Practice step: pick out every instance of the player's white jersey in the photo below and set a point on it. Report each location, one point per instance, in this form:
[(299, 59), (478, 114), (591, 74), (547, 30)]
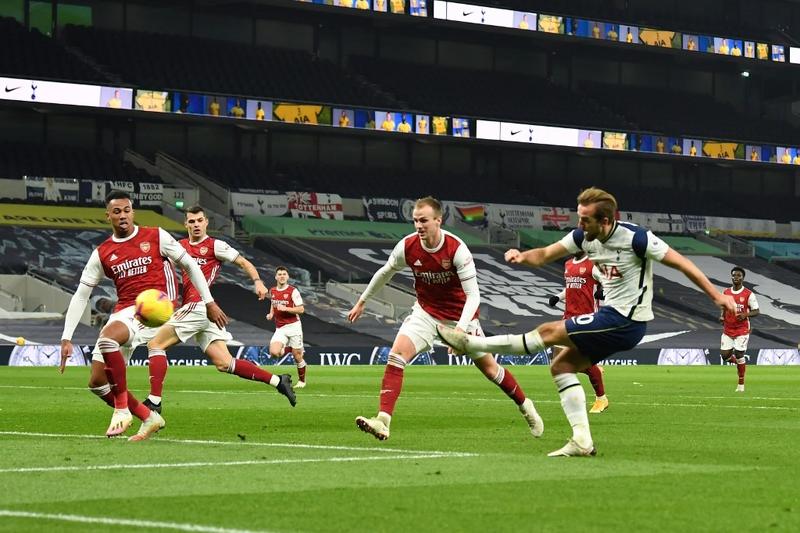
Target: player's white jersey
[(625, 260)]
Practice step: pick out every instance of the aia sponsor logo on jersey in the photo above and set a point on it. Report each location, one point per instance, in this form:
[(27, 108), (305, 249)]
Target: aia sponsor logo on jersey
[(145, 247)]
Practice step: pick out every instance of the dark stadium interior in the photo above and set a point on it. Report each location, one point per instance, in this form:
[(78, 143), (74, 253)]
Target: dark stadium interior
[(280, 49)]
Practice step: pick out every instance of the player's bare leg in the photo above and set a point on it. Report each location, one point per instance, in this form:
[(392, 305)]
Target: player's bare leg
[(165, 338), (297, 354), (504, 379), (563, 368), (217, 352), (401, 353)]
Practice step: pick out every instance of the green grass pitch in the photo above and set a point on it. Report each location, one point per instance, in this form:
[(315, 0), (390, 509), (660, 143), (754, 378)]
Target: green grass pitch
[(678, 450)]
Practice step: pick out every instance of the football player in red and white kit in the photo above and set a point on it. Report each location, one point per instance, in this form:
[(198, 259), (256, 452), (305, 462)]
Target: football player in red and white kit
[(736, 326), (135, 258), (581, 296), (447, 293), (191, 321), (286, 306)]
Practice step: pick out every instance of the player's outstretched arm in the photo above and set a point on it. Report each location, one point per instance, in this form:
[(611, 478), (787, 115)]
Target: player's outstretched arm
[(536, 257), (679, 262), (258, 286), (90, 277), (394, 264)]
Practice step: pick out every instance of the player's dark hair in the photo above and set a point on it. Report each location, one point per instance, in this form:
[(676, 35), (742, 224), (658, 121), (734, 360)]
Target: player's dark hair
[(281, 267), (117, 194), (435, 204), (606, 203), (197, 208), (738, 269)]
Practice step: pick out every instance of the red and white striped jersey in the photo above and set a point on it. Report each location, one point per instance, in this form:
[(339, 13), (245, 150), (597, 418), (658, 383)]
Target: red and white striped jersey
[(209, 254)]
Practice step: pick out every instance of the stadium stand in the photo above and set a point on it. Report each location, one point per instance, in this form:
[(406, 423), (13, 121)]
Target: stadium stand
[(177, 62), (28, 53), (27, 159), (670, 110), (513, 96)]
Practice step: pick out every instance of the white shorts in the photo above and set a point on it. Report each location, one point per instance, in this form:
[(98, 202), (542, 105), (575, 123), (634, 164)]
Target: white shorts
[(138, 334), (290, 335), (738, 344), (420, 327), (191, 321)]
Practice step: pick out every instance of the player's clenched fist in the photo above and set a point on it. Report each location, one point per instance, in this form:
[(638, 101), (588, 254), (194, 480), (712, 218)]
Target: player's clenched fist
[(513, 256)]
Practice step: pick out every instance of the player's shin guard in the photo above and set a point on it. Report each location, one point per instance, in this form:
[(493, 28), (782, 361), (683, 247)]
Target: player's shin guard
[(301, 371), (104, 393), (596, 379), (573, 401), (158, 372), (525, 344), (391, 385), (248, 370), (741, 368), (115, 363), (506, 381)]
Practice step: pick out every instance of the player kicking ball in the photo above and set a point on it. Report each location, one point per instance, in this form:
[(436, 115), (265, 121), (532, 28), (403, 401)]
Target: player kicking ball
[(135, 258), (624, 254), (190, 321)]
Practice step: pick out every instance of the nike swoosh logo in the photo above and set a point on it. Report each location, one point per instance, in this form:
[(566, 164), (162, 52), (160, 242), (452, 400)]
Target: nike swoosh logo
[(467, 13), (515, 132), (13, 89)]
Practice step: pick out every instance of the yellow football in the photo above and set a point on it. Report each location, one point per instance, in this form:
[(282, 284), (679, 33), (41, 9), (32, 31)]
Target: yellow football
[(153, 308)]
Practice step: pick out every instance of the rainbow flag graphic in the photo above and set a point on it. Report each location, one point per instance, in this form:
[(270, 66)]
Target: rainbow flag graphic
[(472, 214)]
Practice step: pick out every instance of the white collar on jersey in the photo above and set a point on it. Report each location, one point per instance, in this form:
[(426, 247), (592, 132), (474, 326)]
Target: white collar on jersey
[(734, 291), (581, 260), (435, 248), (195, 243), (129, 237)]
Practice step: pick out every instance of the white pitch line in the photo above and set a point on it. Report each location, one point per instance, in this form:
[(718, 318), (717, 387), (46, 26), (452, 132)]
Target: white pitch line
[(123, 522), (202, 464), (474, 397), (260, 444)]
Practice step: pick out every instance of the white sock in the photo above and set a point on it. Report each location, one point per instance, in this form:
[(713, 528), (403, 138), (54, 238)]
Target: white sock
[(155, 399), (386, 418), (573, 402), (528, 343), (274, 380)]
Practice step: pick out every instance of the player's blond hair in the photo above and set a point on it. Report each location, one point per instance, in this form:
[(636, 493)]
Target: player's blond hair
[(435, 204), (606, 203)]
